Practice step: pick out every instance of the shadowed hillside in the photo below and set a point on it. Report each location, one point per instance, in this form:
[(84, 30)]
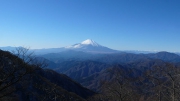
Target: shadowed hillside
[(21, 81)]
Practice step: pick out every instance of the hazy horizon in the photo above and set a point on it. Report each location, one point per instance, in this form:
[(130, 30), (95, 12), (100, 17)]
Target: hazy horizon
[(118, 24)]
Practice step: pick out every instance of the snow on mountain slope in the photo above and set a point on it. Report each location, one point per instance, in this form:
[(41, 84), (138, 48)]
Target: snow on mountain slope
[(90, 46), (85, 43), (90, 42)]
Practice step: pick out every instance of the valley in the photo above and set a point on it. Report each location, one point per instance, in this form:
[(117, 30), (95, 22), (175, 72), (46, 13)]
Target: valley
[(92, 75)]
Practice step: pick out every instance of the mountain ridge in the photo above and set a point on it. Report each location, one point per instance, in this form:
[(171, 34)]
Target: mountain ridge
[(87, 45)]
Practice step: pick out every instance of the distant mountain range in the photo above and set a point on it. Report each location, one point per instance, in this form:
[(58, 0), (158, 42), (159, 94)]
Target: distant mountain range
[(88, 70), (109, 58), (88, 45)]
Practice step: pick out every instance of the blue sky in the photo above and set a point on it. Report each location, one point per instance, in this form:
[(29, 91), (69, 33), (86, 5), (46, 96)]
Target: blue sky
[(118, 24)]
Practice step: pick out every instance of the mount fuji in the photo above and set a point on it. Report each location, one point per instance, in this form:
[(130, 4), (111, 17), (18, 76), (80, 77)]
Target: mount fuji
[(90, 46)]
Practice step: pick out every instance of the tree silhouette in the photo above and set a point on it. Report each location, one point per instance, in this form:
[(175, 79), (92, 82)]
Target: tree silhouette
[(13, 69), (120, 87), (164, 83)]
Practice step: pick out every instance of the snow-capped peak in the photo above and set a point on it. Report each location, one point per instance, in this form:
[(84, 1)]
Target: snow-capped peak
[(85, 44), (89, 42), (90, 46)]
